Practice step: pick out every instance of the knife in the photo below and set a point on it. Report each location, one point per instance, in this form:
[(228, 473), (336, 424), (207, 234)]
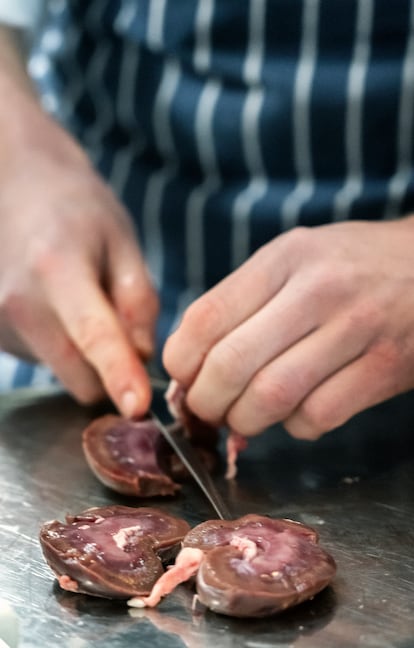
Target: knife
[(173, 432)]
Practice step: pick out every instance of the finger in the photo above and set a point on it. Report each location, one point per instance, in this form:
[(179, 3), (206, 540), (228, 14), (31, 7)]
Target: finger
[(133, 294), (42, 338), (92, 325), (222, 309), (276, 391), (370, 379), (57, 351), (12, 312), (231, 364), (14, 344)]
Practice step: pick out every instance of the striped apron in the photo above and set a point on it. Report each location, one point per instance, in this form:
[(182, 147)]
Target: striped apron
[(221, 123)]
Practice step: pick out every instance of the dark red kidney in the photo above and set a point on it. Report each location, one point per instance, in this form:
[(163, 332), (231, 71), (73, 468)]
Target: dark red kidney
[(288, 565), (112, 551), (130, 457)]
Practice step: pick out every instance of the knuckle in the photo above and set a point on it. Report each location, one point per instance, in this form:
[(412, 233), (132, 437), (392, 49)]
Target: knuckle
[(205, 316), (327, 283), (328, 280), (366, 316), (139, 301), (44, 257), (272, 397), (319, 416), (297, 239), (187, 347), (227, 362), (92, 334), (388, 355), (138, 315)]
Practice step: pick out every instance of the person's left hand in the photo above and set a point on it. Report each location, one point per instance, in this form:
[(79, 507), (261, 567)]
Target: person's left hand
[(315, 327)]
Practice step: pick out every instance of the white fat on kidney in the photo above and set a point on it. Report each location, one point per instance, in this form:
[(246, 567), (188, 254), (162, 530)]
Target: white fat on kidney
[(123, 536)]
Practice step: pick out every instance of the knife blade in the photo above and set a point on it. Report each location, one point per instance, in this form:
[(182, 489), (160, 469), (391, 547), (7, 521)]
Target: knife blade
[(173, 432)]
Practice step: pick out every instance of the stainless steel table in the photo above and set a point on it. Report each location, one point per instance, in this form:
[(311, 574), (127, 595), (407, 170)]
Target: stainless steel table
[(356, 486)]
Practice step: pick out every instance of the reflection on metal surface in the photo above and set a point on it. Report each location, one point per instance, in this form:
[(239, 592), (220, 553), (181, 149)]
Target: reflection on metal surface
[(9, 626), (355, 486)]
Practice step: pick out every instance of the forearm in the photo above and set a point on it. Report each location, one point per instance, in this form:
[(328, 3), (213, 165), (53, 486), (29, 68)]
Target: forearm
[(25, 128), (12, 60)]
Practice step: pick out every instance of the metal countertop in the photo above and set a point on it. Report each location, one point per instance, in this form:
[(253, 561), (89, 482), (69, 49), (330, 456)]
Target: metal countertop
[(355, 486)]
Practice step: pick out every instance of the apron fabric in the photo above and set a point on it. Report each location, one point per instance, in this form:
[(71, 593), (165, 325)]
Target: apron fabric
[(221, 124)]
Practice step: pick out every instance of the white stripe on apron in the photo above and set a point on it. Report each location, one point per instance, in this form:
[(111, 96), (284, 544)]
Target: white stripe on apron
[(158, 181), (155, 26), (100, 97), (304, 188), (204, 134), (125, 102), (199, 196), (202, 50), (353, 185), (399, 182), (252, 73), (125, 16)]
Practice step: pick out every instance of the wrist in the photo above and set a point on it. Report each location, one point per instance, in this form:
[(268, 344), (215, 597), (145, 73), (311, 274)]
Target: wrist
[(15, 84), (29, 135), (13, 71)]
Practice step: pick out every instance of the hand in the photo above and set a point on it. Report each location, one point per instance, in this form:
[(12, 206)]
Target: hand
[(315, 327), (74, 290)]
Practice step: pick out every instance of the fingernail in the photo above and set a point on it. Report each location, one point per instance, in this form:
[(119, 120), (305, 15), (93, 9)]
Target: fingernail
[(129, 404)]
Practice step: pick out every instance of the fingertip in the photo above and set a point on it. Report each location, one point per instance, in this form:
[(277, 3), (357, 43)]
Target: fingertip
[(134, 403), (129, 403), (134, 396), (168, 352)]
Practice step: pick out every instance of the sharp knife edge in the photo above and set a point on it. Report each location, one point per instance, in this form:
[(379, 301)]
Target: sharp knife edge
[(173, 433)]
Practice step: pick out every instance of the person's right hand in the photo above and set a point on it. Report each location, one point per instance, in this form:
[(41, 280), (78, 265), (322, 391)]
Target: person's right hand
[(74, 290)]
